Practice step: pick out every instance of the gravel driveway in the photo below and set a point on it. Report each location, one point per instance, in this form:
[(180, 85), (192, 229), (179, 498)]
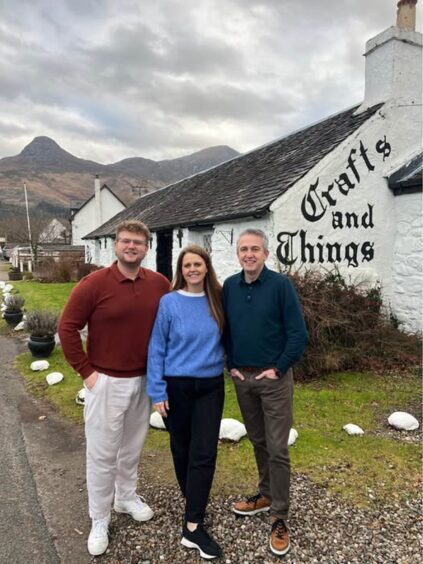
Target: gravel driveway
[(324, 529)]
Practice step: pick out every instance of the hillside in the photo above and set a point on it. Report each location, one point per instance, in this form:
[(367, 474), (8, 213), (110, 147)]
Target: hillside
[(56, 176)]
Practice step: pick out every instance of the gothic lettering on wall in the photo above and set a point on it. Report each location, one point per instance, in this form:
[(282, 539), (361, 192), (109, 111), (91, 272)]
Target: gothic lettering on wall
[(295, 246)]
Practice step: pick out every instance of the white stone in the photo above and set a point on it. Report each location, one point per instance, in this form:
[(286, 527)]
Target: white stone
[(2, 307), (39, 365), (293, 436), (231, 430), (353, 429), (54, 378), (156, 421), (20, 326), (403, 421), (80, 397), (7, 288), (2, 284)]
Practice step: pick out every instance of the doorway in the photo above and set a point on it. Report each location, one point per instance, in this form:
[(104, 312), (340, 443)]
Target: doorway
[(164, 253)]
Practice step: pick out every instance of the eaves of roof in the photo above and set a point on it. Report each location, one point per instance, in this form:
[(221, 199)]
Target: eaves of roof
[(244, 186), (408, 178)]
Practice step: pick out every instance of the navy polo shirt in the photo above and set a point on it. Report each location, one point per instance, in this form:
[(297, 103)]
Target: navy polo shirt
[(264, 322)]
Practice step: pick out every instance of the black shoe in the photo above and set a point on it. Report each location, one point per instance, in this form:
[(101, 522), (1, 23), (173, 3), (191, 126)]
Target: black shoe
[(201, 540)]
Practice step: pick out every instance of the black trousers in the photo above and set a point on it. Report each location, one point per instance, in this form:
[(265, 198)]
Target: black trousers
[(193, 421)]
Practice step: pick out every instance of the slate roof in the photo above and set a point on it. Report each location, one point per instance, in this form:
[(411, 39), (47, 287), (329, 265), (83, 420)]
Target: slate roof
[(244, 186), (408, 178)]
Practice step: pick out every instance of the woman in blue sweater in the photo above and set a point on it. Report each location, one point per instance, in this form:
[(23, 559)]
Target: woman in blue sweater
[(185, 383)]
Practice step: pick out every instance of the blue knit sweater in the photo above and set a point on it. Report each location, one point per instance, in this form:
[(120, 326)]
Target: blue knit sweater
[(185, 342)]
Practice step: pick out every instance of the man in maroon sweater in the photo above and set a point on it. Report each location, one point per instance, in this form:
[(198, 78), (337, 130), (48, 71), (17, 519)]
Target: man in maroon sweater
[(119, 304)]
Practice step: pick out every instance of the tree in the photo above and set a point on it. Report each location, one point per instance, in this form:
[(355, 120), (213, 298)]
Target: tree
[(15, 230)]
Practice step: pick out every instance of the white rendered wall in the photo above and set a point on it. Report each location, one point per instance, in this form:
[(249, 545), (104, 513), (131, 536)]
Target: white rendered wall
[(84, 220), (407, 267), (314, 211), (393, 66)]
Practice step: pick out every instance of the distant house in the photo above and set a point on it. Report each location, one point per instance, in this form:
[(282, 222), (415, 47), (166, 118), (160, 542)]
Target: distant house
[(56, 231), (87, 216), (22, 257), (344, 192)]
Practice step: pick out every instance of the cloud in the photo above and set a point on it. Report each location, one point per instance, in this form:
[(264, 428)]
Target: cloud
[(109, 80)]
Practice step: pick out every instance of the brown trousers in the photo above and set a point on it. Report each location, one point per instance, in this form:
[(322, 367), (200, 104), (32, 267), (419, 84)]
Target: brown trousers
[(266, 406)]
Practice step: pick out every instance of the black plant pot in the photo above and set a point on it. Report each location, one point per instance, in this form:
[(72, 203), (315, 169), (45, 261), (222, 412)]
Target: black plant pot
[(15, 275), (12, 318), (41, 347)]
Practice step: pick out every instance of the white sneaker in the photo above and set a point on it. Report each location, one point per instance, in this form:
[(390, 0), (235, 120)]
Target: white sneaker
[(136, 508), (98, 539)]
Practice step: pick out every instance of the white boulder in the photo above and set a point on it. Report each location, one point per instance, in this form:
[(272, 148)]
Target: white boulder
[(20, 326), (39, 365), (7, 288), (403, 421), (293, 436), (54, 378), (80, 397), (231, 430), (353, 429), (156, 420)]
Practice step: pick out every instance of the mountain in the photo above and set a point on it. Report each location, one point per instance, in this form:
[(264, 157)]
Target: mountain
[(56, 176)]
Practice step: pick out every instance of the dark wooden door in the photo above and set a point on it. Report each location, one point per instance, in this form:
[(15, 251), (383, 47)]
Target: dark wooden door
[(164, 253)]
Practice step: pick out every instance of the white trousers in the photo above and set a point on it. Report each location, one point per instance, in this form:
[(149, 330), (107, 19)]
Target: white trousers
[(117, 415)]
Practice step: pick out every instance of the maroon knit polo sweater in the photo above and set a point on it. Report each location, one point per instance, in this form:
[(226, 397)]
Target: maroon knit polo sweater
[(120, 314)]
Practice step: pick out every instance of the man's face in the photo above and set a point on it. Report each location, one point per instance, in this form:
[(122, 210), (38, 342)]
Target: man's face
[(130, 248), (251, 254)]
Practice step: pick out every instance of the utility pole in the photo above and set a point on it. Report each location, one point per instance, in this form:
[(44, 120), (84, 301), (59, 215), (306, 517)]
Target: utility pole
[(29, 224)]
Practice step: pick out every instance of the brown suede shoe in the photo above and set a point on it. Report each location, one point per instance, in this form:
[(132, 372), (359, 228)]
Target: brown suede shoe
[(279, 537), (252, 505)]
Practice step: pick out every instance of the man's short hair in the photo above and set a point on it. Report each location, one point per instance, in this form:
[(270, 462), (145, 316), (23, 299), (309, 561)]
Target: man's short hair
[(257, 233), (133, 226)]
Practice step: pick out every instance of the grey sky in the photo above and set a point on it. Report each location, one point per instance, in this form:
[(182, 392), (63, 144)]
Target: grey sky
[(109, 79)]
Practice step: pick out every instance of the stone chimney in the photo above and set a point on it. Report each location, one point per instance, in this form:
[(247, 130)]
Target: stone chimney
[(394, 61), (406, 15), (97, 202)]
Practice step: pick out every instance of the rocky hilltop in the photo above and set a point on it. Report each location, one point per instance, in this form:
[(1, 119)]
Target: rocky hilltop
[(55, 176)]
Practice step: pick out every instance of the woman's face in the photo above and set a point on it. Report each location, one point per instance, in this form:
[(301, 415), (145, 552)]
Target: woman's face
[(194, 271)]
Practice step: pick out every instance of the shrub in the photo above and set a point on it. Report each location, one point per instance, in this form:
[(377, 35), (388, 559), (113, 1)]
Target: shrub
[(84, 269), (349, 328), (41, 323), (14, 302), (50, 270)]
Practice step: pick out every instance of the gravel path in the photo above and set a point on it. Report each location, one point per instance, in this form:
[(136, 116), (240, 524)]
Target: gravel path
[(323, 529)]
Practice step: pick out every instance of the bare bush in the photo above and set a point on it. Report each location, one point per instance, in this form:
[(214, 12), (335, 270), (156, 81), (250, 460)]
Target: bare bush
[(348, 327), (84, 269), (49, 270)]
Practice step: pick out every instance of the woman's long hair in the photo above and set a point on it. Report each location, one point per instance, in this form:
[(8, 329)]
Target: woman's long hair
[(212, 286)]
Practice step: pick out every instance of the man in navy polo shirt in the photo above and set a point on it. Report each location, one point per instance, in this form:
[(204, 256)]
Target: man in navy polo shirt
[(265, 336)]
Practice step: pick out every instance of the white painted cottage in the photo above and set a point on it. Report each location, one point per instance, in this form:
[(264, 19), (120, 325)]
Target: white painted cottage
[(56, 231), (87, 216), (344, 192)]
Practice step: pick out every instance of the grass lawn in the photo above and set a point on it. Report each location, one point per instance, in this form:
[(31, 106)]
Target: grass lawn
[(377, 463), (44, 296)]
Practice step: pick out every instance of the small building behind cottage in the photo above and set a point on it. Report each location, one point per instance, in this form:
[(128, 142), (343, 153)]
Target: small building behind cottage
[(98, 209)]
